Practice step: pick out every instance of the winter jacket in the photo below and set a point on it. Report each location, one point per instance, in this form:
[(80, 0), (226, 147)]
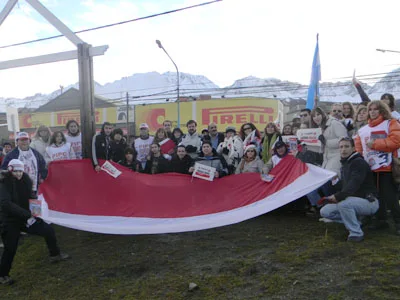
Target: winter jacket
[(41, 163), (39, 145), (267, 145), (219, 139), (232, 150), (333, 132), (192, 143), (162, 165), (357, 179), (100, 148), (181, 165), (14, 199), (216, 161), (136, 166), (254, 166), (118, 150), (390, 144)]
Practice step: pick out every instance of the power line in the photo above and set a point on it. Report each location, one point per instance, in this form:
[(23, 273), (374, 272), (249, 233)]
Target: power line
[(113, 24)]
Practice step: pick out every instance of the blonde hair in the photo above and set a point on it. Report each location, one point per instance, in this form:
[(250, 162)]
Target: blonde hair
[(383, 108)]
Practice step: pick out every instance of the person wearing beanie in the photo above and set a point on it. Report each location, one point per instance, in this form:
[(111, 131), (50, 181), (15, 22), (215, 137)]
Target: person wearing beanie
[(34, 163), (231, 149), (280, 151), (15, 216), (251, 162)]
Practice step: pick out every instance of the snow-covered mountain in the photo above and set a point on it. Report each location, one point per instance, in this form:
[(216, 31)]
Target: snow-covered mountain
[(155, 87)]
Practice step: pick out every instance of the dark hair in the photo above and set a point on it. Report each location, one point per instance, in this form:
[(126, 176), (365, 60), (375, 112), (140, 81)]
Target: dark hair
[(191, 122), (306, 109), (347, 139), (104, 125), (130, 150), (206, 142), (351, 109), (117, 131), (180, 146), (252, 126), (7, 143), (389, 97), (53, 137), (324, 117), (70, 122), (291, 129), (167, 121), (177, 129)]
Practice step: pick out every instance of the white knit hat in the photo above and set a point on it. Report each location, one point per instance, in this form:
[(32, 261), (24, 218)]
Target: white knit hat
[(250, 147), (16, 165)]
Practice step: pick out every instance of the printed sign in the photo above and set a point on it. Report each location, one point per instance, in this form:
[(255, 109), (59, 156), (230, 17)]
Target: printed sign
[(378, 159), (291, 141), (35, 206), (310, 136), (203, 172), (110, 169)]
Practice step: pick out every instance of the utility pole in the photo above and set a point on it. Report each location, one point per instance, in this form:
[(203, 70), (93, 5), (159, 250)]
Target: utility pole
[(86, 88), (127, 117)]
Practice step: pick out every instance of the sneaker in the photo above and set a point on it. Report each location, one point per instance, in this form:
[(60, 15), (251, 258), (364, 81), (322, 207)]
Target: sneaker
[(6, 280), (355, 239), (326, 220), (59, 257)]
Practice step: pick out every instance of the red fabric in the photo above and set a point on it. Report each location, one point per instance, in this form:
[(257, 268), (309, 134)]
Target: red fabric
[(167, 146), (74, 187)]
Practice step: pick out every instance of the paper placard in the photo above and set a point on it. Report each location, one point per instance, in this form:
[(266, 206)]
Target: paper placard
[(309, 136), (204, 172), (290, 141), (35, 206), (110, 169)]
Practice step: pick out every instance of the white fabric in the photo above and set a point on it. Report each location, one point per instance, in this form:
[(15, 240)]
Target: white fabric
[(396, 115), (76, 144), (30, 166), (311, 180), (62, 152), (142, 148)]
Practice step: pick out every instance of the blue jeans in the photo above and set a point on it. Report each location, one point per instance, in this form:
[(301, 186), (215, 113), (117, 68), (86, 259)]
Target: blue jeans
[(348, 210), (327, 189)]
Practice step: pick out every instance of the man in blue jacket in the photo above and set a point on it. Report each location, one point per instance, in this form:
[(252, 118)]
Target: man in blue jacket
[(35, 165)]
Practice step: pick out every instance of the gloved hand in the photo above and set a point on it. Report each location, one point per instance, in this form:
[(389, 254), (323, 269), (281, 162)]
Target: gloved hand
[(30, 222), (191, 149), (322, 139), (225, 151)]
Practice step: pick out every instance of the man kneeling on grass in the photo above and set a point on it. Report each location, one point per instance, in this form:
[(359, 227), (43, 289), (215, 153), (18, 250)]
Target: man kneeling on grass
[(15, 216), (356, 192)]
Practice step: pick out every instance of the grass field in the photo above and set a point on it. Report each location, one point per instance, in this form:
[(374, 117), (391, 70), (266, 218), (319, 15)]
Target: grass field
[(275, 256)]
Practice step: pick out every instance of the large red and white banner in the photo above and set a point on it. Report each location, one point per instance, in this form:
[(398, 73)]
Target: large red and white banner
[(75, 196)]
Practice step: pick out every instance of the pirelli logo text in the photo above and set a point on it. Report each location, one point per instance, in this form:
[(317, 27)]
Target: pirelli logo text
[(238, 115)]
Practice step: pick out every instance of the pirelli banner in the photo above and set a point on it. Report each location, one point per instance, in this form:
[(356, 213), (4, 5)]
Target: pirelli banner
[(60, 118), (223, 112)]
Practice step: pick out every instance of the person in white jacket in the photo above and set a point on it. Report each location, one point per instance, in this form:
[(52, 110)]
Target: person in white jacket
[(41, 139), (231, 148), (59, 149)]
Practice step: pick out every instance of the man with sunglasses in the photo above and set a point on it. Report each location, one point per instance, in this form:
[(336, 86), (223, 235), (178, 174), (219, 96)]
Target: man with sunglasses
[(305, 116), (356, 192), (337, 111)]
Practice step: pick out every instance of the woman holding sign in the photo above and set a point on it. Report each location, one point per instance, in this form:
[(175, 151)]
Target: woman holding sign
[(379, 142), (210, 158)]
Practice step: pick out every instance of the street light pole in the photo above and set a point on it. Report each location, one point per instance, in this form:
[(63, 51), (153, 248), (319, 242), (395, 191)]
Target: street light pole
[(177, 82), (384, 50)]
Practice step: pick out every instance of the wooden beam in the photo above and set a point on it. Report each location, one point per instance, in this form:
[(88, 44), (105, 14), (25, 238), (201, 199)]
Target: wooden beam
[(6, 10), (53, 20), (49, 58)]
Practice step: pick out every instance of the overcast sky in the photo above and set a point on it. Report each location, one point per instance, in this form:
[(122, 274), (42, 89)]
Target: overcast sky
[(223, 41)]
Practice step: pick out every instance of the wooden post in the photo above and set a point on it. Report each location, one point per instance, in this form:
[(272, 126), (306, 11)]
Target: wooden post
[(86, 88)]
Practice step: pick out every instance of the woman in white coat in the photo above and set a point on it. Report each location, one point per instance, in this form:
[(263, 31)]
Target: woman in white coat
[(231, 149)]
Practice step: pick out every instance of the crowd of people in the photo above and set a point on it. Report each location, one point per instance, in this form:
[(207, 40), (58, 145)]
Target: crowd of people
[(359, 144)]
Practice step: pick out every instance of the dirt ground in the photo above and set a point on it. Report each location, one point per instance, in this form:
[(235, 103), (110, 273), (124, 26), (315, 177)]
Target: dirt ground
[(281, 255)]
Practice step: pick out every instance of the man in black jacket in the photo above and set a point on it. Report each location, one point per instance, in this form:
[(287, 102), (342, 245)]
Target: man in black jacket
[(101, 145), (15, 216), (356, 194)]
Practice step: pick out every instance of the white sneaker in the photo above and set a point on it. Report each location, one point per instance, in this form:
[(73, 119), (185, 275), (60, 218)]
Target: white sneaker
[(326, 220)]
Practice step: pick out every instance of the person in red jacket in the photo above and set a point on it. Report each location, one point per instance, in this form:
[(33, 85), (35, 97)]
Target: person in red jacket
[(379, 142)]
